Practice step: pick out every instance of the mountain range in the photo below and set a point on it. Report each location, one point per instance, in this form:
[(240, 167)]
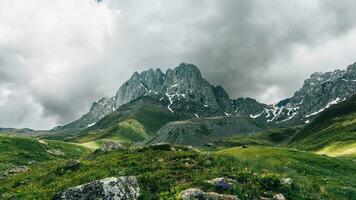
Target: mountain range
[(183, 101), (185, 92)]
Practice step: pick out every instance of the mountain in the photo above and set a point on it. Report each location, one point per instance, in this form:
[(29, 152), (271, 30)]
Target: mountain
[(318, 93), (333, 130), (182, 90)]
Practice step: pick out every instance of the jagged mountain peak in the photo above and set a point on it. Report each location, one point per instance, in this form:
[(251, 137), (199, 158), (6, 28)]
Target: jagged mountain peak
[(182, 89)]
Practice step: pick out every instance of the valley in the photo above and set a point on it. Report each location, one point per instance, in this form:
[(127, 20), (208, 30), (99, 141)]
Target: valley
[(178, 135)]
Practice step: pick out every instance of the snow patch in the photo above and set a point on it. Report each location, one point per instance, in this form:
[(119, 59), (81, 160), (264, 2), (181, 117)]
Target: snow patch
[(333, 102), (92, 124), (170, 102), (258, 115)]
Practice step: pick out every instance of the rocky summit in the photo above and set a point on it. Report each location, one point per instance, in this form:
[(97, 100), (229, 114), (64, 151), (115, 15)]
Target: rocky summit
[(183, 91)]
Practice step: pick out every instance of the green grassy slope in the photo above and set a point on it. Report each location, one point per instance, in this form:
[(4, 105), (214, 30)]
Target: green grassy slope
[(332, 132), (163, 174), (274, 137), (19, 151), (133, 122), (318, 177)]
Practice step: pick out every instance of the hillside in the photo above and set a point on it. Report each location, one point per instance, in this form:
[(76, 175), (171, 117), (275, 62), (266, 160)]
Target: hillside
[(273, 137), (133, 122), (332, 132), (18, 151), (320, 177), (200, 131)]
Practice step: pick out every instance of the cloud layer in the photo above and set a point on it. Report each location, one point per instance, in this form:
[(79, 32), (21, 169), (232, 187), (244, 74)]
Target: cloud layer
[(57, 57)]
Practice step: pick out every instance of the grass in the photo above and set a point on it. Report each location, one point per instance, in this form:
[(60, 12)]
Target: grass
[(21, 150), (333, 132), (274, 137), (338, 149), (319, 177), (163, 174)]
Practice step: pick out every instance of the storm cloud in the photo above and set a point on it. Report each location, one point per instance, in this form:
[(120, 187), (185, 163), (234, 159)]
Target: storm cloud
[(57, 57)]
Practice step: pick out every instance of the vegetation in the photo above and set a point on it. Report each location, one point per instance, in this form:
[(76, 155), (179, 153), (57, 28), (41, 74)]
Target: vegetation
[(274, 137), (133, 122), (162, 174), (332, 132), (20, 151)]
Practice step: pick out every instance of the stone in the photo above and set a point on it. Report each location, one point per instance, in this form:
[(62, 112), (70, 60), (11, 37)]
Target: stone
[(110, 146), (121, 188), (14, 170), (279, 197), (221, 183), (287, 181), (209, 144), (32, 162), (197, 194)]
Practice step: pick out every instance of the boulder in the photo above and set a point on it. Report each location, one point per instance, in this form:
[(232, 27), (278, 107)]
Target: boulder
[(121, 188), (111, 146), (197, 194), (221, 183), (279, 197), (287, 181)]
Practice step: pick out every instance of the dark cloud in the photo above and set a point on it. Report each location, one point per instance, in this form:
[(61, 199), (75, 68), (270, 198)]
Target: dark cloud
[(74, 52)]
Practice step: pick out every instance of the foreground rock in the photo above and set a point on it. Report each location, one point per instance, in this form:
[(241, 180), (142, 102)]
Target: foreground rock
[(222, 183), (197, 194), (121, 188), (287, 181), (279, 197)]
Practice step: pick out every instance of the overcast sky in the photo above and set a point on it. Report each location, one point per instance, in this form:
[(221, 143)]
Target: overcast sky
[(57, 57)]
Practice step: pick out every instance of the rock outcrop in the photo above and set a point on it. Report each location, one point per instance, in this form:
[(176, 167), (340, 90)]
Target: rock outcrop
[(110, 146), (121, 188), (222, 183), (14, 170), (197, 194)]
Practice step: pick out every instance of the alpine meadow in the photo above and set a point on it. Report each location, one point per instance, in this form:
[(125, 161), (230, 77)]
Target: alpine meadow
[(177, 100)]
